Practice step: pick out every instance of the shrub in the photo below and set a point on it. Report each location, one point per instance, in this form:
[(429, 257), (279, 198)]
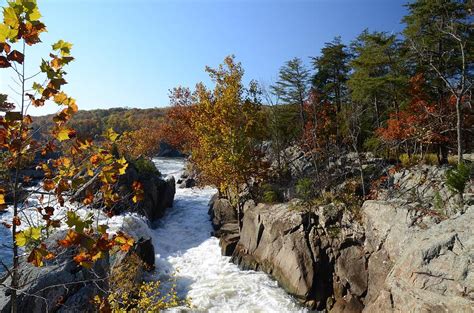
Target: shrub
[(305, 189), (270, 194), (430, 159), (126, 294), (374, 145), (408, 161), (146, 167), (457, 178)]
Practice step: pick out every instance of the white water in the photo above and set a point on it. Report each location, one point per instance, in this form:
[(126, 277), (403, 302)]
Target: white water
[(183, 244)]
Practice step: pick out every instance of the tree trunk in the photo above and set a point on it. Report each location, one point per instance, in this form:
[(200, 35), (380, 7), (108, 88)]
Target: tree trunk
[(459, 121), (376, 107)]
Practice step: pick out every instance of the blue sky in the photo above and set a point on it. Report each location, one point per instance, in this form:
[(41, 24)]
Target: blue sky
[(130, 53)]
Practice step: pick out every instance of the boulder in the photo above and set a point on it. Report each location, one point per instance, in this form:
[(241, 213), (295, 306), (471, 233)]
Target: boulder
[(222, 212), (434, 271), (61, 285), (275, 240), (158, 193), (64, 286)]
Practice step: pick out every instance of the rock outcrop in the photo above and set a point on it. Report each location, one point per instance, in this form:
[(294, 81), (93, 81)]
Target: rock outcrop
[(64, 286), (432, 268), (158, 193), (394, 254)]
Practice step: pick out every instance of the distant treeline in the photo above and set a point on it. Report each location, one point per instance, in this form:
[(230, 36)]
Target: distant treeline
[(93, 123)]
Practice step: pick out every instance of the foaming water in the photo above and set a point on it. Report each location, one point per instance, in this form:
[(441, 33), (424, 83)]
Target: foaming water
[(184, 246)]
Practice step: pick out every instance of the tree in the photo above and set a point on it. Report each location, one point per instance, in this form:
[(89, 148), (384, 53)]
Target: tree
[(421, 124), (228, 126), (378, 79), (281, 130), (332, 72), (177, 126), (67, 176), (441, 35), (292, 87)]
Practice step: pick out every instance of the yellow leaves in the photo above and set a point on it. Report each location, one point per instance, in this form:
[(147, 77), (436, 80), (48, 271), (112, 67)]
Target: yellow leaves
[(60, 98), (22, 238), (111, 135), (124, 241), (64, 133), (72, 238), (2, 197), (10, 17), (63, 47)]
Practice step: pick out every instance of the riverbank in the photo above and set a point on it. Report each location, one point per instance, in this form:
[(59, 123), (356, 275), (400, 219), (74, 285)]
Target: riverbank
[(393, 252)]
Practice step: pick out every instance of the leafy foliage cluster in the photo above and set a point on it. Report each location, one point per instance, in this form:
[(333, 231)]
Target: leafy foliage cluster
[(83, 175)]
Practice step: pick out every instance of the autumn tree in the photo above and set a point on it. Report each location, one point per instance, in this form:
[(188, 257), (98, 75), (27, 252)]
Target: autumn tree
[(143, 141), (422, 124), (440, 35), (228, 126), (177, 126), (67, 178)]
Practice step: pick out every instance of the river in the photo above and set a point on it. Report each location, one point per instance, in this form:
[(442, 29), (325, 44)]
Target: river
[(185, 248), (183, 244)]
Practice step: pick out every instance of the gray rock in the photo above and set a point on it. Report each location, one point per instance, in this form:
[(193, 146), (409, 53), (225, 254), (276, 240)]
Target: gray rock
[(222, 213), (432, 271)]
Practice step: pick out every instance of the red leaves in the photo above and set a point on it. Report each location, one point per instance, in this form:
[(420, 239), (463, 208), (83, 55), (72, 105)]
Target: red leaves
[(30, 32), (72, 238), (48, 184), (4, 62), (16, 221), (5, 47), (16, 56), (422, 121), (138, 193)]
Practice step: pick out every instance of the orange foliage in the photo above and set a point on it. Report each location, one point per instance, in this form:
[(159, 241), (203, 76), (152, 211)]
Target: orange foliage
[(423, 121), (176, 129), (320, 128)]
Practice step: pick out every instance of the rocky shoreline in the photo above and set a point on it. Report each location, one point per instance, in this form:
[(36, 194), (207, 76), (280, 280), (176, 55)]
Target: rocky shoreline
[(389, 256), (62, 285)]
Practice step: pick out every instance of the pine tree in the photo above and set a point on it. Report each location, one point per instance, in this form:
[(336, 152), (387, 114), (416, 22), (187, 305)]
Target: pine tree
[(332, 72), (293, 86), (379, 78)]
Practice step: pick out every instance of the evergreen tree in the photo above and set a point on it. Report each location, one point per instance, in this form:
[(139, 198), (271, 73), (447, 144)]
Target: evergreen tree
[(379, 77), (332, 72), (293, 86)]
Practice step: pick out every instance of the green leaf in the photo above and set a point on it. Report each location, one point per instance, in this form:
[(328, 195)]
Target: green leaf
[(13, 116), (38, 88)]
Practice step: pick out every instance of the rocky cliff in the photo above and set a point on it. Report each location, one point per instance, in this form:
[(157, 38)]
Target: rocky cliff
[(397, 252)]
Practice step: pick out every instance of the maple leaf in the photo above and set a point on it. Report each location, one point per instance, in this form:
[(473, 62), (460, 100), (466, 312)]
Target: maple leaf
[(4, 62), (16, 56)]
